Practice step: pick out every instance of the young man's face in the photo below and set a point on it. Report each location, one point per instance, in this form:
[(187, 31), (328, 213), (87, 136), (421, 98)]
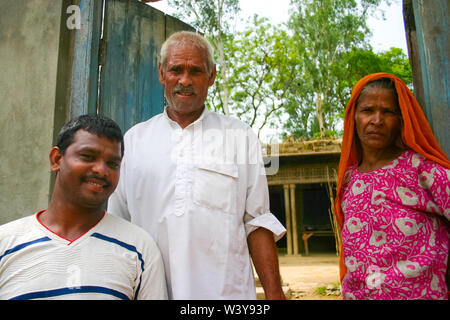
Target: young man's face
[(88, 172)]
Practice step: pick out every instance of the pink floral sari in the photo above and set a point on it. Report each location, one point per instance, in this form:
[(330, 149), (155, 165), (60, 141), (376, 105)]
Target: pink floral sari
[(396, 230)]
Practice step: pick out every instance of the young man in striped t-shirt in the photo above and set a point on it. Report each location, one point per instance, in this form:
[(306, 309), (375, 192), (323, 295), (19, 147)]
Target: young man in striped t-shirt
[(74, 249)]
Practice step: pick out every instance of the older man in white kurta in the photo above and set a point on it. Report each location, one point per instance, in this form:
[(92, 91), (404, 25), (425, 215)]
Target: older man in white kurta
[(199, 192), (195, 181)]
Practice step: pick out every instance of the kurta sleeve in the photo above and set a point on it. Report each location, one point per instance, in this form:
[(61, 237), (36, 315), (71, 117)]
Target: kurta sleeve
[(117, 203), (257, 207)]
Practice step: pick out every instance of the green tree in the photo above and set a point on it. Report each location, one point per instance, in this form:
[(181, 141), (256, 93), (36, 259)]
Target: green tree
[(361, 62), (357, 63), (297, 79), (261, 73), (323, 31)]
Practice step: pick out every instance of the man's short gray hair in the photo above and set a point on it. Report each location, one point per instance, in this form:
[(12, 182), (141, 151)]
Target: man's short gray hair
[(184, 39)]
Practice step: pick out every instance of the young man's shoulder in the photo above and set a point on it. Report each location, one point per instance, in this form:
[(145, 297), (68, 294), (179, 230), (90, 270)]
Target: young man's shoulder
[(18, 233), (20, 226)]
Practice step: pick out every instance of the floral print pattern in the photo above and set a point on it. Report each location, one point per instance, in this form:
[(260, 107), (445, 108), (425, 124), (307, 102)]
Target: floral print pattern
[(396, 230)]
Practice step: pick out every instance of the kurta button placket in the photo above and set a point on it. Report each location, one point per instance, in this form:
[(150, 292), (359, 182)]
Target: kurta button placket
[(182, 166)]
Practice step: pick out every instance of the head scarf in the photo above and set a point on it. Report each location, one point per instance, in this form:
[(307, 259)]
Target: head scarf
[(416, 135)]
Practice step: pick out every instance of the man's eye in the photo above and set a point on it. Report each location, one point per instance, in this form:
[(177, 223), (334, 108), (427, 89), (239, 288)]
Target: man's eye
[(113, 164), (86, 157), (175, 69), (197, 70)]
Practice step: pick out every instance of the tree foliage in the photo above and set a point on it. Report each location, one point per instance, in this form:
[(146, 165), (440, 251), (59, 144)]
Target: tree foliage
[(261, 72), (361, 62), (295, 77), (323, 32), (212, 18), (356, 64)]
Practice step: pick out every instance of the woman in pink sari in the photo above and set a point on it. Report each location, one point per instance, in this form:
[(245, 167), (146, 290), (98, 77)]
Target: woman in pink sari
[(393, 203)]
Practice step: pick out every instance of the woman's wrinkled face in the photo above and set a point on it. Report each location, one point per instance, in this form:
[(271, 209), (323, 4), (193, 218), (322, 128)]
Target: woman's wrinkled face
[(378, 119)]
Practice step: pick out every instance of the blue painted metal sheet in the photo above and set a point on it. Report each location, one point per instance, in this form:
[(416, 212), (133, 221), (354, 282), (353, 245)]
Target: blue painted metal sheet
[(174, 25), (130, 89), (83, 95)]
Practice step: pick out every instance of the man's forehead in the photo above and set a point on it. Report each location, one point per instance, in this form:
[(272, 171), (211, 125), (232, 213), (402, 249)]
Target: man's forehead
[(186, 52), (83, 134), (86, 139)]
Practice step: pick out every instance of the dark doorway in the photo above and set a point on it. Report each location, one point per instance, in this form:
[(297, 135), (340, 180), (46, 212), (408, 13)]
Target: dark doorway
[(276, 195), (316, 204)]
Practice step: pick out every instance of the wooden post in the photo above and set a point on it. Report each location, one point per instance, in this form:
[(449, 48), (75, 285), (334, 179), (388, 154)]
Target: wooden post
[(300, 214), (287, 209), (294, 220)]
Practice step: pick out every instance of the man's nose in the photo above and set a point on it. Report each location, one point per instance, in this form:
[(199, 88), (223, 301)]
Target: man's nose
[(185, 79), (100, 168)]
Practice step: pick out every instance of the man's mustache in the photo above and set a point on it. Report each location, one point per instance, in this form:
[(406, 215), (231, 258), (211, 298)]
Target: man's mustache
[(106, 181), (182, 89)]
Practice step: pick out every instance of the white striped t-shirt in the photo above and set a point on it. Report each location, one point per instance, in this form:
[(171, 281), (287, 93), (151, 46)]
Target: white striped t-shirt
[(113, 260)]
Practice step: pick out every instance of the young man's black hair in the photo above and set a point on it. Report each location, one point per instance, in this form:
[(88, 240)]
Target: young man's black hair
[(93, 123)]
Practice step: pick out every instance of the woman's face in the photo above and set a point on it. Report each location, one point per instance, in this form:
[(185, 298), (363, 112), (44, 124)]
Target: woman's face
[(377, 119)]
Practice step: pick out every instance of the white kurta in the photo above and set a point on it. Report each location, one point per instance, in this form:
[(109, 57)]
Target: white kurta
[(199, 191)]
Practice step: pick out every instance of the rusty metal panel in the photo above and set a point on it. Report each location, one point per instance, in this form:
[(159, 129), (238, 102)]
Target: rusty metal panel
[(432, 27)]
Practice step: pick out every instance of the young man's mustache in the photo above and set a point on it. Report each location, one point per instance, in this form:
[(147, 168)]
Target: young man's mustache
[(95, 177)]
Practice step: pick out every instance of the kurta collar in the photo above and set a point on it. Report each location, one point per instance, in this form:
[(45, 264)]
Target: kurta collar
[(205, 112)]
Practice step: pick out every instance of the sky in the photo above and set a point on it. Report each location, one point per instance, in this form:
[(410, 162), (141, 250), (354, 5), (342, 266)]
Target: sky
[(386, 33)]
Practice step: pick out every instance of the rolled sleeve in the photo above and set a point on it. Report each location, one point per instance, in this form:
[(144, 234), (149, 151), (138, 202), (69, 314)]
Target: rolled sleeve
[(267, 221), (257, 208)]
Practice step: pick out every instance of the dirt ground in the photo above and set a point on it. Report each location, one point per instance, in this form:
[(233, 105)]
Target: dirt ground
[(302, 275)]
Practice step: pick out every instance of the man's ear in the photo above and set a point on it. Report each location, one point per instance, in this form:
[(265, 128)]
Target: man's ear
[(161, 74), (55, 159), (212, 78)]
